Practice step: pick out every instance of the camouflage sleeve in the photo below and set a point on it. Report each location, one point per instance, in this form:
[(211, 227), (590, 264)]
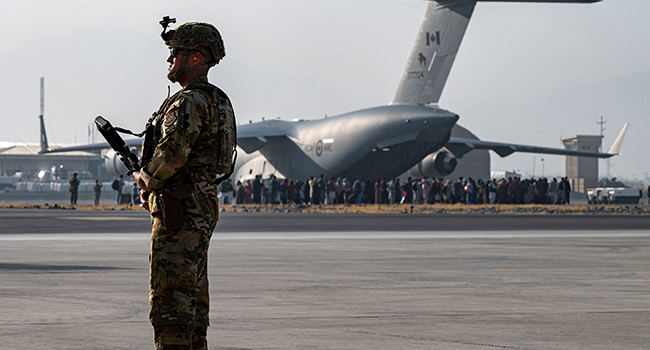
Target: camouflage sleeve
[(180, 129)]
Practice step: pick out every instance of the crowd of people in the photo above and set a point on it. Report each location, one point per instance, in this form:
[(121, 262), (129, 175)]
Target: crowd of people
[(327, 191)]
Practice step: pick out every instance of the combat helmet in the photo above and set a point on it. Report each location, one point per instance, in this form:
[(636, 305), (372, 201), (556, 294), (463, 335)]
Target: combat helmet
[(192, 35)]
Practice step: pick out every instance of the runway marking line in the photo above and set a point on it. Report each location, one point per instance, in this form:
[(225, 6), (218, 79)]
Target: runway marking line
[(23, 266), (102, 218), (361, 235)]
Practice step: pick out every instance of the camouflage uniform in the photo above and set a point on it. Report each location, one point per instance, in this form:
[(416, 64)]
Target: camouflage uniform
[(190, 145)]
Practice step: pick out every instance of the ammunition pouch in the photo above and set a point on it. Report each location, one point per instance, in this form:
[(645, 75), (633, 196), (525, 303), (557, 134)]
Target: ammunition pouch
[(170, 205)]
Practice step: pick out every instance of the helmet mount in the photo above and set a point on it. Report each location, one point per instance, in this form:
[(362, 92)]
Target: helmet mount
[(192, 35), (165, 23)]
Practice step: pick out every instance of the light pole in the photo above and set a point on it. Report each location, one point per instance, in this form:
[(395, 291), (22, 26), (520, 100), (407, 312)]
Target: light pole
[(533, 167), (542, 167)]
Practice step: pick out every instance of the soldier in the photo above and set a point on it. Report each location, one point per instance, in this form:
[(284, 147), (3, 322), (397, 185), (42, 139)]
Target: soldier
[(74, 189), (189, 147)]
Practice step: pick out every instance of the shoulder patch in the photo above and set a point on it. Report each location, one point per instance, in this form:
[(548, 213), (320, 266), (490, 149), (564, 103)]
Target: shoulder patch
[(170, 120)]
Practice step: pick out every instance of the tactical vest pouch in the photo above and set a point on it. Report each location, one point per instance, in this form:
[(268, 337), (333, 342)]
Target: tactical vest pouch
[(170, 205), (172, 212)]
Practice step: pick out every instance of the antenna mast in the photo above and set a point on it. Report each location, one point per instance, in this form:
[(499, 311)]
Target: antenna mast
[(42, 96), (602, 128)]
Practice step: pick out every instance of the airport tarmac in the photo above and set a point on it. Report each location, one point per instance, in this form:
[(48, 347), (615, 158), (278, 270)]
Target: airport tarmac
[(109, 197), (78, 280)]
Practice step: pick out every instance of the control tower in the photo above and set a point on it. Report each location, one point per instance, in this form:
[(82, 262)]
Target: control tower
[(582, 172)]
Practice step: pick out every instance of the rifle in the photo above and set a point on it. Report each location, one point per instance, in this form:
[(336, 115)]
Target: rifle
[(116, 142)]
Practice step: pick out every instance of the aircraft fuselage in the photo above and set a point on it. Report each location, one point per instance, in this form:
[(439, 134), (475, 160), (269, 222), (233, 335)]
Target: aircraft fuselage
[(380, 142)]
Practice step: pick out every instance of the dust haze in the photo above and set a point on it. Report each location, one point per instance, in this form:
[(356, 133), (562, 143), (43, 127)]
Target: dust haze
[(525, 73)]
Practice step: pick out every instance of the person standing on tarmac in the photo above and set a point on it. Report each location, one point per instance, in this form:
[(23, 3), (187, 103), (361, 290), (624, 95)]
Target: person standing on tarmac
[(118, 188), (189, 147), (97, 188), (74, 189)]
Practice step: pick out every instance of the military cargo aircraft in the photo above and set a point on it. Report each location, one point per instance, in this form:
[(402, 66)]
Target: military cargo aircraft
[(411, 134)]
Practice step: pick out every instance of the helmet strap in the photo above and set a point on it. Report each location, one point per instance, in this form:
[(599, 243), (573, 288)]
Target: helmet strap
[(173, 77)]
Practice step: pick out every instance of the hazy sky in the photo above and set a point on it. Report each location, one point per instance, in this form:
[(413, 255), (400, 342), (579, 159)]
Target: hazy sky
[(526, 73)]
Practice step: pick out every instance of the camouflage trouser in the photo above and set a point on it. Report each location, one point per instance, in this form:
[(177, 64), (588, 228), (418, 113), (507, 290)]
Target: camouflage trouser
[(178, 286)]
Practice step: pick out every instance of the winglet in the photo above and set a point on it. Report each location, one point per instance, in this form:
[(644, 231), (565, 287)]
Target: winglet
[(616, 147)]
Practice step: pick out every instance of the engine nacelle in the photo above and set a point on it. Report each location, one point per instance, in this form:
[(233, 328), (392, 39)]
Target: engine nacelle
[(114, 165), (443, 162), (434, 165)]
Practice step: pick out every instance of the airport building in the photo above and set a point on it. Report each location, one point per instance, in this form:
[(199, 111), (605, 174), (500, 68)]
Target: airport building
[(25, 159), (582, 172)]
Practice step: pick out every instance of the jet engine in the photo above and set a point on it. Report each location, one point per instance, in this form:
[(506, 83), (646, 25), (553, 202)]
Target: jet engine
[(443, 162), (114, 165), (440, 163)]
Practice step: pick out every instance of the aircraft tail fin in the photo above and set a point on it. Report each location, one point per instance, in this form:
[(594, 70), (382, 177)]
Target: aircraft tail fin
[(44, 145), (433, 52), (436, 46), (616, 147)]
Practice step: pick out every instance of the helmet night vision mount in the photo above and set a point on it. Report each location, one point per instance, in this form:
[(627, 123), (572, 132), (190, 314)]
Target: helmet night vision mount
[(165, 23), (194, 35)]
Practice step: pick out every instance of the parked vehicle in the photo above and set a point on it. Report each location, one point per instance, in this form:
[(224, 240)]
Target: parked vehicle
[(613, 195)]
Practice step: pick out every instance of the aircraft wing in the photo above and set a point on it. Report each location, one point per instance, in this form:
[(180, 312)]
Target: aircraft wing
[(252, 137), (93, 146), (459, 147)]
